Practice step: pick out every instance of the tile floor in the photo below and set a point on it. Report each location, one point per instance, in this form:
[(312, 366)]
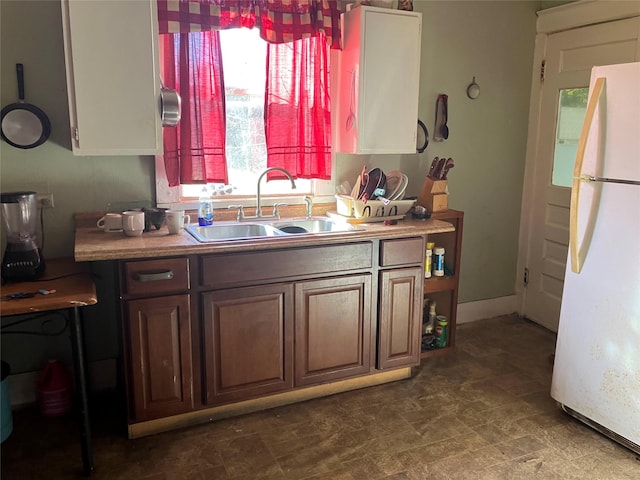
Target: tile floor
[(481, 413)]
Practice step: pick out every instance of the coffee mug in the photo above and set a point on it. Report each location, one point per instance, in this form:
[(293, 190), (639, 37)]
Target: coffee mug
[(153, 217), (133, 223), (111, 222), (176, 220)]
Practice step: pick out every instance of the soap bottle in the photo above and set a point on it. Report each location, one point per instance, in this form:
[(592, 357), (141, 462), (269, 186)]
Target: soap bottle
[(205, 208)]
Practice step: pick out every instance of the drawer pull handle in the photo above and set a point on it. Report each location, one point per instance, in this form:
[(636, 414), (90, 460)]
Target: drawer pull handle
[(154, 277)]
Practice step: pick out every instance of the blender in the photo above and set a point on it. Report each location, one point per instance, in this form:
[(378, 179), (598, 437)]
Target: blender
[(22, 258)]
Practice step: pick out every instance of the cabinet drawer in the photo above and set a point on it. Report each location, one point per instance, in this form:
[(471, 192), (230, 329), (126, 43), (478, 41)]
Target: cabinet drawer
[(402, 251), (256, 267), (148, 277)]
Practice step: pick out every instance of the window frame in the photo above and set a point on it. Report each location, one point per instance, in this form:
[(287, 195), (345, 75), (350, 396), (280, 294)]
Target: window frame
[(170, 197), (323, 191)]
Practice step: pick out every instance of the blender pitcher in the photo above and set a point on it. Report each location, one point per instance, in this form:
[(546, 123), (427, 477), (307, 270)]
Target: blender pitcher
[(22, 258)]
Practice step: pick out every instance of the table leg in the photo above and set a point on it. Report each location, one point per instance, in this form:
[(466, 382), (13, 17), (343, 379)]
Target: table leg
[(79, 368)]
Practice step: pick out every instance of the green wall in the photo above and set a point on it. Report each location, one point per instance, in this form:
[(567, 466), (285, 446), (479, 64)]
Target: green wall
[(493, 41)]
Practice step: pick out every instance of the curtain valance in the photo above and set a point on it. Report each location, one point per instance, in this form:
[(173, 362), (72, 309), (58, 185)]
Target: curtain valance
[(279, 21)]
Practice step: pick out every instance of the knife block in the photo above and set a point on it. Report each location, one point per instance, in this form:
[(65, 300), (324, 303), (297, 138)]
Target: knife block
[(434, 196)]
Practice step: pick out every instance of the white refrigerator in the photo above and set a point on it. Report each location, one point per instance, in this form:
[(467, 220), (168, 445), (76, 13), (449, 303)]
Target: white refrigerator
[(596, 373)]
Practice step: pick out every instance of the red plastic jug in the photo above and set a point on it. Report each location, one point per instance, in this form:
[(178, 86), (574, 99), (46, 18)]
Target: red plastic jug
[(54, 390)]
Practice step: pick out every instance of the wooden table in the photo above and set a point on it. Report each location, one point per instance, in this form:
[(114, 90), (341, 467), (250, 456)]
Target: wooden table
[(74, 289)]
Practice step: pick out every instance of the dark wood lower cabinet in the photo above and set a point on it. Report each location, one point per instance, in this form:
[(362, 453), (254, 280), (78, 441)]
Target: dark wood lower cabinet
[(239, 326), (400, 317), (333, 329), (160, 353), (248, 346)]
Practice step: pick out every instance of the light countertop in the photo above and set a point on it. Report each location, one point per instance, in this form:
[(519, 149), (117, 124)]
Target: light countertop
[(93, 244)]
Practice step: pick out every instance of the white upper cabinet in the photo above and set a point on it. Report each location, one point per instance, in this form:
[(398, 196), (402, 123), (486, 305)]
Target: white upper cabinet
[(378, 81), (113, 78)]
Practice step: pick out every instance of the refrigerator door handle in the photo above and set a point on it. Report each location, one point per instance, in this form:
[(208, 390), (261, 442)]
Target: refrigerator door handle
[(577, 253), (589, 178)]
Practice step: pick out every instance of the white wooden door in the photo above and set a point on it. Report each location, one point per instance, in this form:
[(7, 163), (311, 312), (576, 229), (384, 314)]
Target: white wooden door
[(569, 57)]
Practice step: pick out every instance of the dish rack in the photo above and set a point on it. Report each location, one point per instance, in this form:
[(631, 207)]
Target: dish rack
[(374, 210)]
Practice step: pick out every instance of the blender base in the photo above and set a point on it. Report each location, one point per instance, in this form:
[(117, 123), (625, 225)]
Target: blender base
[(22, 265)]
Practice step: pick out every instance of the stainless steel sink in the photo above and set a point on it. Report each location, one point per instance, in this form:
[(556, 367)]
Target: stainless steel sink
[(235, 231), (275, 229), (313, 225)]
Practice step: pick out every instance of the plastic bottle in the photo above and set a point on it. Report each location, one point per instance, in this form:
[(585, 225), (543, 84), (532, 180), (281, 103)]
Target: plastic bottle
[(431, 322), (205, 209), (438, 261), (54, 390), (427, 261)]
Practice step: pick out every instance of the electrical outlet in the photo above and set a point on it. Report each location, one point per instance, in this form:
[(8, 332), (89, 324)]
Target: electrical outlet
[(45, 200)]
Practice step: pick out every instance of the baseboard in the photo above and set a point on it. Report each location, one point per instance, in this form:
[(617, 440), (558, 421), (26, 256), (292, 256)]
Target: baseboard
[(22, 386), (211, 414), (482, 309)]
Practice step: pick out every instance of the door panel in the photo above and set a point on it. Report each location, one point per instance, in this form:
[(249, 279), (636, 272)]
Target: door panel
[(160, 338), (570, 55), (400, 317), (247, 342), (332, 329)]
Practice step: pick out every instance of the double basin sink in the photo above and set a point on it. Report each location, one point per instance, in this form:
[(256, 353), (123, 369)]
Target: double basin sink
[(247, 230)]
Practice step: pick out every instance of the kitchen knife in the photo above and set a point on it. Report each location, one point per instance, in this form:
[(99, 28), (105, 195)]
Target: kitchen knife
[(447, 166), (432, 168), (439, 171)]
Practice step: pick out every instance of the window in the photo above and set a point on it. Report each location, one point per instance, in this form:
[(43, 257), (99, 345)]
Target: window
[(572, 107), (244, 66)]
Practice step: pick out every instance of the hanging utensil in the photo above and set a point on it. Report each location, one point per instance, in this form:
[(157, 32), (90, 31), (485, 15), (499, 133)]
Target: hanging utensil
[(24, 125), (445, 116), (170, 103), (351, 118), (425, 132), (473, 89)]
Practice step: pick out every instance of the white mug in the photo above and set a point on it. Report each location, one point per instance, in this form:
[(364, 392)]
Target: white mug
[(111, 222), (176, 221), (133, 223)]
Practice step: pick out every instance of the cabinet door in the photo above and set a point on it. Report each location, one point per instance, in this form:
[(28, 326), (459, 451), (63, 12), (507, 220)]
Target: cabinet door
[(160, 353), (400, 317), (113, 78), (248, 342), (333, 329), (379, 81)]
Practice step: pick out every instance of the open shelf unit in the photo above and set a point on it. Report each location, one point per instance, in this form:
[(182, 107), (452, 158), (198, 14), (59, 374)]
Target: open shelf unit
[(444, 290)]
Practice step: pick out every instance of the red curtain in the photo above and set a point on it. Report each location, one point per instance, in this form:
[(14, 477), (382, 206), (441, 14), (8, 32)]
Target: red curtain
[(194, 151), (278, 20), (297, 108)]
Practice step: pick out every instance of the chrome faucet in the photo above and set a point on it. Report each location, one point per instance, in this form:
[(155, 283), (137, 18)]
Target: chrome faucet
[(309, 203), (258, 199)]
